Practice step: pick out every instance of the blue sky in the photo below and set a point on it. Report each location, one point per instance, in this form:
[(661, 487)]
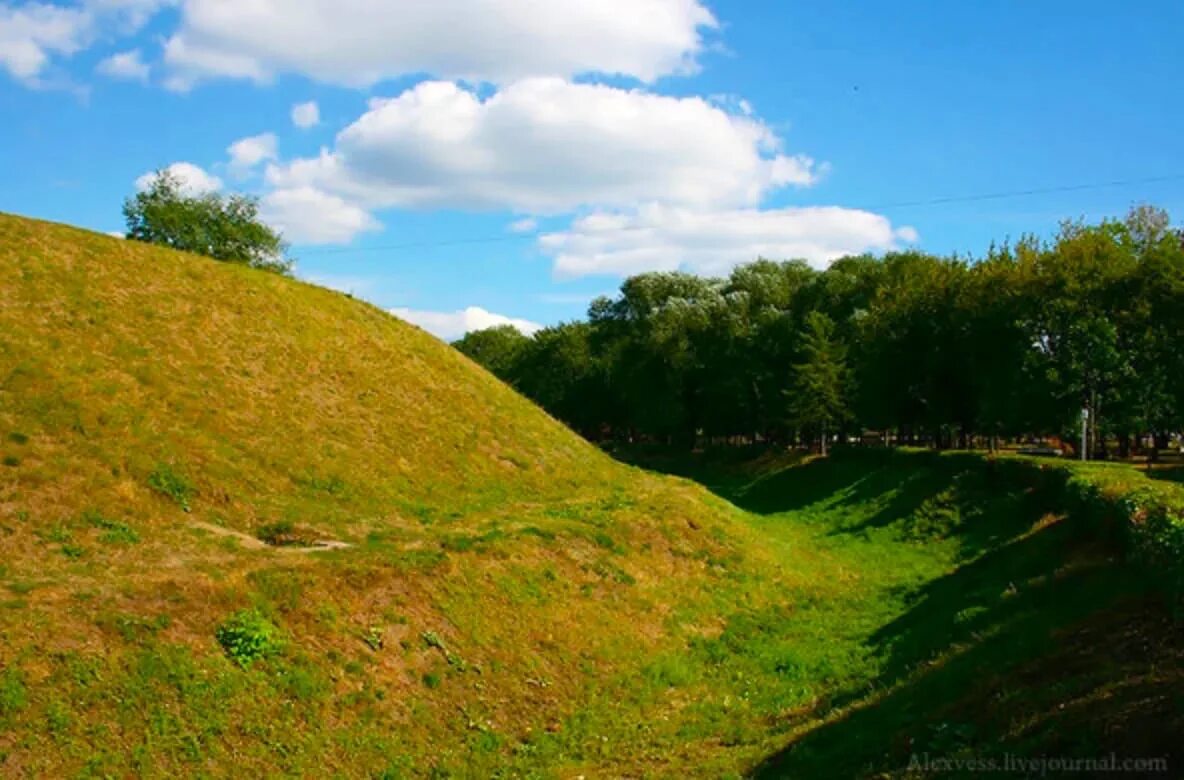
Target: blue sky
[(510, 159)]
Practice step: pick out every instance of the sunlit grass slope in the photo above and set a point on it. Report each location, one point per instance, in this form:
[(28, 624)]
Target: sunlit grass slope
[(158, 412), (503, 599)]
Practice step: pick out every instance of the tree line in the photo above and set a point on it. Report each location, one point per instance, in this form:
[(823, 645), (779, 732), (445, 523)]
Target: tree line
[(946, 351)]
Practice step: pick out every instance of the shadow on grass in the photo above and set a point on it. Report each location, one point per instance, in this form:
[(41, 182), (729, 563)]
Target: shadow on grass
[(1168, 474), (923, 495), (768, 481), (1080, 664), (1041, 643), (992, 588)]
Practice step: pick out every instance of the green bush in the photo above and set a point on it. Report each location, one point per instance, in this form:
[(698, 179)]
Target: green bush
[(1154, 524), (1145, 518), (248, 636)]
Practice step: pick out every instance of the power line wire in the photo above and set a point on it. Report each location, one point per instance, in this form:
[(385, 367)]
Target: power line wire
[(535, 234), (1037, 191)]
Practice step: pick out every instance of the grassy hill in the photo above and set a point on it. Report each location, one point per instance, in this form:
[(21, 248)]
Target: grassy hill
[(158, 412), (253, 525)]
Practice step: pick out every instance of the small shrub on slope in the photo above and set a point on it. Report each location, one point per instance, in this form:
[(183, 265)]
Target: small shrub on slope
[(248, 636)]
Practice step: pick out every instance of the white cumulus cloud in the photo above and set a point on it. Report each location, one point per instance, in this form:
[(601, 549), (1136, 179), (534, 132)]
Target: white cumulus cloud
[(545, 145), (306, 215), (451, 325), (125, 65), (306, 115), (664, 238), (32, 34), (246, 153), (194, 180), (361, 42)]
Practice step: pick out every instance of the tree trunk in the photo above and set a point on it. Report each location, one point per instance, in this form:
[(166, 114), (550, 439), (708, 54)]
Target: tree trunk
[(1093, 426), (1159, 441), (824, 439), (1095, 452)]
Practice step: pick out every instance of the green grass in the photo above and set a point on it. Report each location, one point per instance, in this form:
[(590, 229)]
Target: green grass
[(981, 617), (512, 602)]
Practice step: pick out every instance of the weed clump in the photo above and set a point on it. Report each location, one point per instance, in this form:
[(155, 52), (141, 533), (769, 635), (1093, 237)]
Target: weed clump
[(13, 694), (73, 551), (334, 485), (432, 639), (248, 636), (373, 638), (172, 485), (113, 531)]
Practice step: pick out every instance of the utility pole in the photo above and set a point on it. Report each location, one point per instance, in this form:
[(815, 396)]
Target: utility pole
[(1084, 433)]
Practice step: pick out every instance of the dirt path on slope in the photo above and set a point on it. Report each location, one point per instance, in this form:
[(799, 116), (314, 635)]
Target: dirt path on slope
[(253, 543)]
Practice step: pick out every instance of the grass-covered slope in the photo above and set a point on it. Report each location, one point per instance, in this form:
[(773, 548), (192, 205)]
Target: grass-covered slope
[(159, 413), (263, 393), (493, 596)]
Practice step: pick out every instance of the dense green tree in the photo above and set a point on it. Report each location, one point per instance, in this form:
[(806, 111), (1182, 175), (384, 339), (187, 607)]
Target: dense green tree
[(225, 228), (1005, 394), (498, 349), (1151, 326), (818, 389), (656, 331), (558, 370), (1073, 322)]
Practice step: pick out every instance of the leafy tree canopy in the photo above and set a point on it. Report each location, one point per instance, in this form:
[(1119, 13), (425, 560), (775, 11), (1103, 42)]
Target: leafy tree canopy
[(225, 228), (933, 349), (818, 394), (497, 349)]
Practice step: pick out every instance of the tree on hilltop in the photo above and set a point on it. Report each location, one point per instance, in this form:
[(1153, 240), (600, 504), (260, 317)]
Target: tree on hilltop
[(224, 227)]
